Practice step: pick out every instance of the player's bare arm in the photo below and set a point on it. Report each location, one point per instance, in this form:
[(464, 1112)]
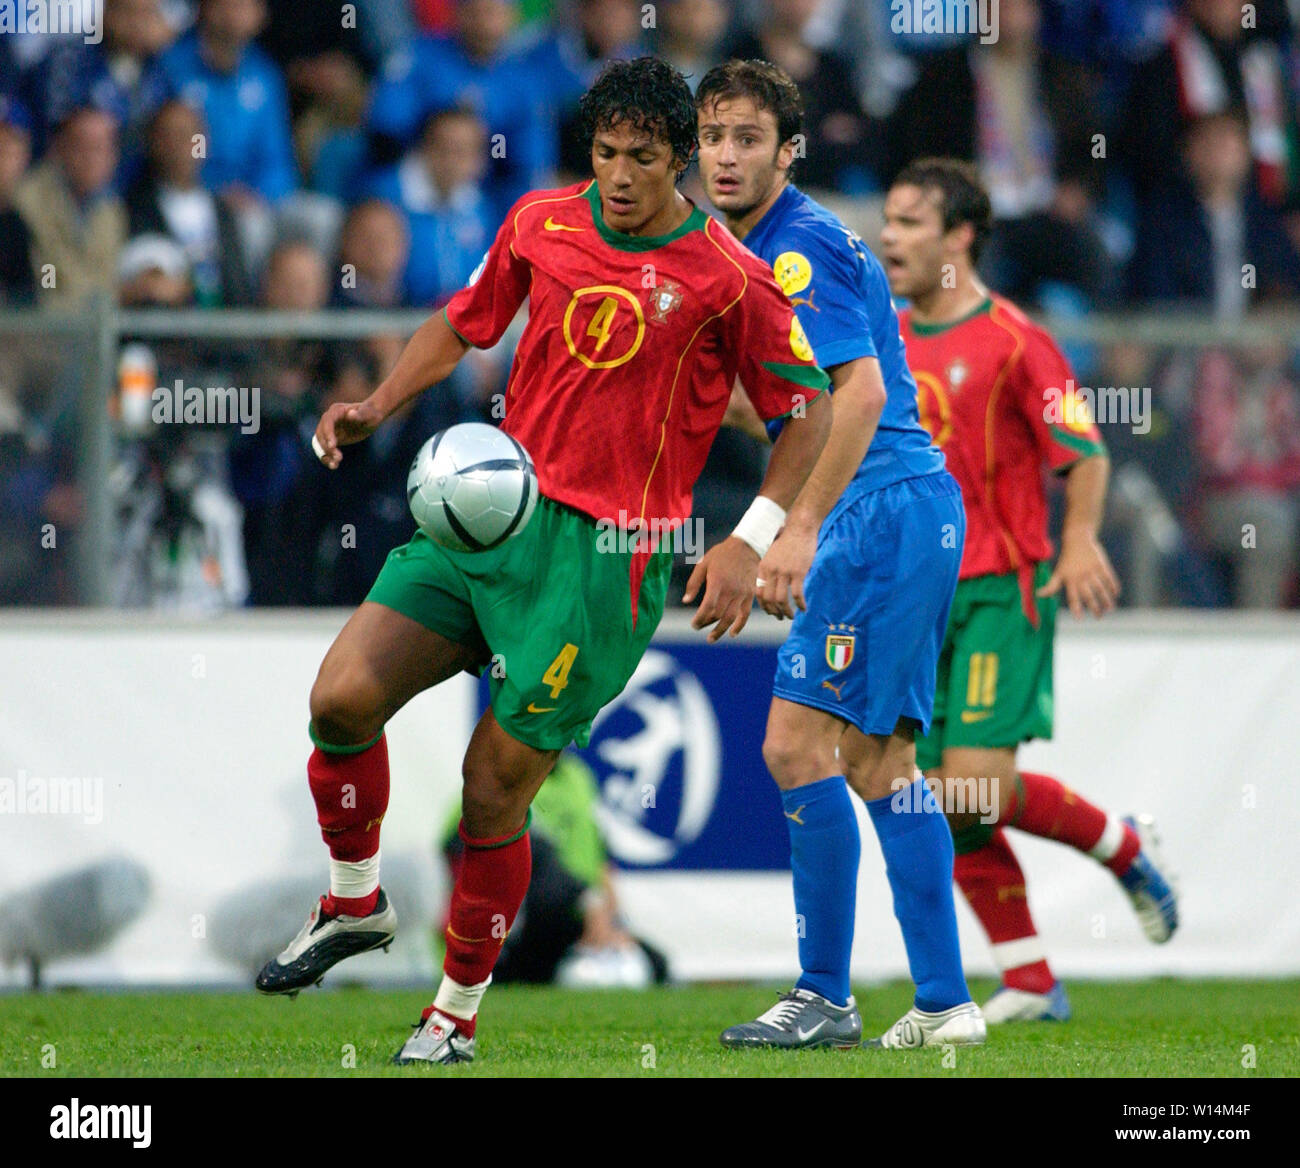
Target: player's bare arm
[(429, 357), (743, 416), (1083, 569), (857, 404), (728, 570)]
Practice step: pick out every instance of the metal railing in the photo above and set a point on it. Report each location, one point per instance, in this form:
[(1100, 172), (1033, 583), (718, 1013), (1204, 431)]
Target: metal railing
[(98, 329)]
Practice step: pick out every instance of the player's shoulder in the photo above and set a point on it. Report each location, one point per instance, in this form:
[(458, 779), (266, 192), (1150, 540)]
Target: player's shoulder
[(807, 226), (1008, 315), (716, 239), (552, 209)]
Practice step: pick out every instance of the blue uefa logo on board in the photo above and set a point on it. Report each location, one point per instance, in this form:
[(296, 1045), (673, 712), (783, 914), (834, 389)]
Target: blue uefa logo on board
[(679, 759)]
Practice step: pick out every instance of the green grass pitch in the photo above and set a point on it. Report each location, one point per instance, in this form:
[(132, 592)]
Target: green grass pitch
[(1165, 1028)]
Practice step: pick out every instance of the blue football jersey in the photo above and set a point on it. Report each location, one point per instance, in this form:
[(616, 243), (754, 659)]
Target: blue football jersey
[(841, 296)]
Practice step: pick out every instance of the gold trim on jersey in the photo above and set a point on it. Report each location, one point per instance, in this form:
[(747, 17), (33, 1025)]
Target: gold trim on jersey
[(663, 425), (990, 458), (537, 203)]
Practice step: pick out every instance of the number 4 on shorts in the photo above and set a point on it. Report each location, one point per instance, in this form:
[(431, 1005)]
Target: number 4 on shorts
[(557, 673)]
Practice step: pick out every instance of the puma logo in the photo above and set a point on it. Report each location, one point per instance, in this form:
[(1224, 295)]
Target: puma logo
[(835, 689), (795, 814)]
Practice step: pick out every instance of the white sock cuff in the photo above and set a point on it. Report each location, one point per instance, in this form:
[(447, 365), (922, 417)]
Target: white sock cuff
[(1112, 835), (458, 1000), (1023, 951), (353, 879)]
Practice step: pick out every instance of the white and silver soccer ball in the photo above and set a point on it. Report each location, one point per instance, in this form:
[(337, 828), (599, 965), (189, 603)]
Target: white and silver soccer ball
[(471, 487)]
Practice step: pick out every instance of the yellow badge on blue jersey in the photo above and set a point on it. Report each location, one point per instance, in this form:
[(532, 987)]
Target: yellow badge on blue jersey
[(799, 341), (792, 271)]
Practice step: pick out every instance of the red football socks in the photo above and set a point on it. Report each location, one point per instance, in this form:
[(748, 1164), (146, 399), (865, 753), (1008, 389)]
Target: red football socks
[(350, 787), (1044, 806), (490, 887), (994, 885)]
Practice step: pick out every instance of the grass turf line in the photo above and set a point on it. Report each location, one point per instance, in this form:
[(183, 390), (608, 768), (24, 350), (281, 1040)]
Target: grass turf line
[(1164, 1028)]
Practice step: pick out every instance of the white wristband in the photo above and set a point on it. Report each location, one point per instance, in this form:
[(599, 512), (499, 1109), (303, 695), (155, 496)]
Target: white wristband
[(760, 525)]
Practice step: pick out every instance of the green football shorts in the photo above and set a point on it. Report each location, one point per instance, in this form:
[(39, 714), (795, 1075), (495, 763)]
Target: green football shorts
[(994, 683), (551, 610)]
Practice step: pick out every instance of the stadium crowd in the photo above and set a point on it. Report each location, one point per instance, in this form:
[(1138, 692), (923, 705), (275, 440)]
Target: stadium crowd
[(1141, 155)]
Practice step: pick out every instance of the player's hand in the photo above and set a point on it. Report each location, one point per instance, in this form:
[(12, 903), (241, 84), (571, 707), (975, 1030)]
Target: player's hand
[(782, 572), (341, 425), (1084, 572), (727, 571)]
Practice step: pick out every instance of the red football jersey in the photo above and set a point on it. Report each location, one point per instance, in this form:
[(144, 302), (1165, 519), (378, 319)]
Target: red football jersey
[(624, 370), (997, 394)]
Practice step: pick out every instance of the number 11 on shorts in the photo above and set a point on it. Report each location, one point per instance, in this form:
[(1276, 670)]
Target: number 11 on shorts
[(557, 673)]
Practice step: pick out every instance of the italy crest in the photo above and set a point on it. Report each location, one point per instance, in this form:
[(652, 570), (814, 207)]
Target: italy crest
[(839, 650)]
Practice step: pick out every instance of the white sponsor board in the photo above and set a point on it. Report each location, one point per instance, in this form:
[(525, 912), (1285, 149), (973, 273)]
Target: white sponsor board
[(182, 747)]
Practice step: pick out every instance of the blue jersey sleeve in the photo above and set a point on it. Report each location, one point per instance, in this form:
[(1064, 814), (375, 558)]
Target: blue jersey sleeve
[(822, 274)]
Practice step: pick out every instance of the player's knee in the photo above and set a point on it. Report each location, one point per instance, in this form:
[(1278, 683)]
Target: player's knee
[(793, 761), (347, 705), (489, 804)]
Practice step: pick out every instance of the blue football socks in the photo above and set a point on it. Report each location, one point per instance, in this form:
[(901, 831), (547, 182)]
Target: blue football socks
[(824, 852), (917, 846)]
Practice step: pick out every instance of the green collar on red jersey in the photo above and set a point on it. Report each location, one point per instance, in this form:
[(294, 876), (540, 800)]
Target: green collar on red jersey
[(695, 221), (932, 330)]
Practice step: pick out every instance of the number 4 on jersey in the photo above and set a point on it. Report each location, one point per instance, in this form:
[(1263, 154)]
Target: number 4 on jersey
[(557, 673)]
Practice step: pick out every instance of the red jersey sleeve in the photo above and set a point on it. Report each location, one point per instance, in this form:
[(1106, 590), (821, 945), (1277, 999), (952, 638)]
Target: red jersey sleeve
[(1061, 421), (482, 310), (776, 365)]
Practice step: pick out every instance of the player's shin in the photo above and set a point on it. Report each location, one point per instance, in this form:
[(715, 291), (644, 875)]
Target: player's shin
[(1044, 806), (918, 851), (991, 879), (824, 852), (350, 787), (490, 887)]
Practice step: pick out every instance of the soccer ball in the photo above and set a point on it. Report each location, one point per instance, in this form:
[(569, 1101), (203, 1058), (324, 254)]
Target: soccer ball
[(471, 487)]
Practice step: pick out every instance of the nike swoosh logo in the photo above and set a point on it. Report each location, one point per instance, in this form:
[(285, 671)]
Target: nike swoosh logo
[(969, 716), (804, 1035), (532, 709), (551, 225)]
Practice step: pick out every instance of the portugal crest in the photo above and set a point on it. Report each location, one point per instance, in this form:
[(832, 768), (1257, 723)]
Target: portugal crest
[(839, 650), (663, 300)]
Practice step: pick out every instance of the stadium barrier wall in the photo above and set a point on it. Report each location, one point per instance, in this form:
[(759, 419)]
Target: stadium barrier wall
[(181, 747)]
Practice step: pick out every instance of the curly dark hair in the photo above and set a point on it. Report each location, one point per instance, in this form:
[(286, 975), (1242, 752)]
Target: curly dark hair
[(962, 197), (647, 94)]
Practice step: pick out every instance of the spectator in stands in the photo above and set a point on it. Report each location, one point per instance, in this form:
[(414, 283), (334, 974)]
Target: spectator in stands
[(373, 255), (569, 59), (1212, 63), (690, 36), (17, 279), (1099, 31), (169, 199), (437, 188), (367, 499), (77, 223), (275, 476), (1209, 240), (1025, 117), (1248, 437), (476, 67), (328, 62), (219, 70), (118, 75), (841, 151)]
